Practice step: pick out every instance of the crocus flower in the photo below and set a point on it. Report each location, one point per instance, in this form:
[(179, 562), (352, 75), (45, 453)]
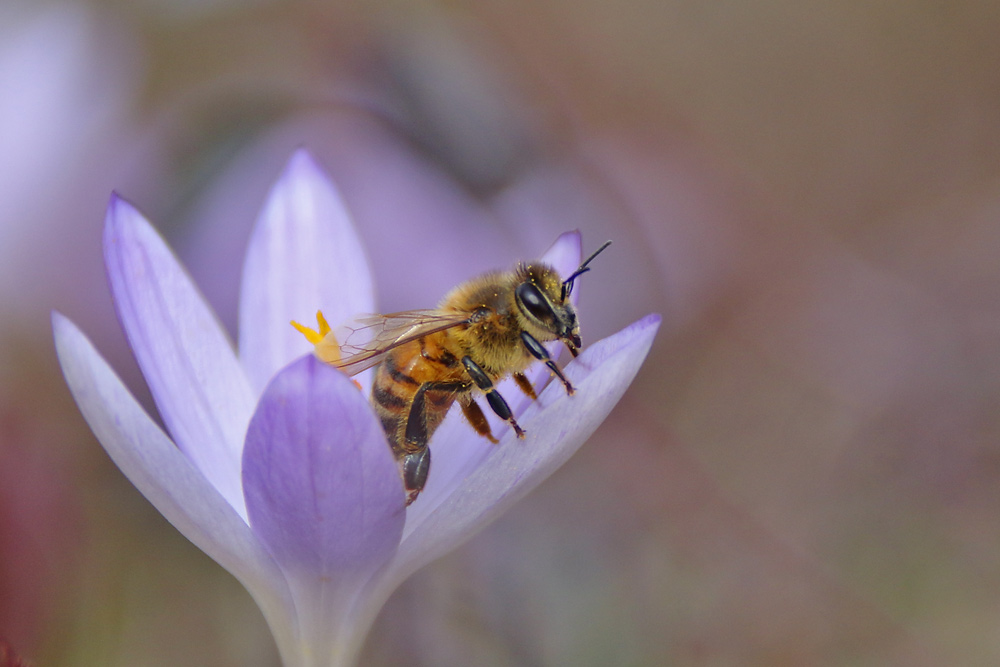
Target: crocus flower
[(275, 464)]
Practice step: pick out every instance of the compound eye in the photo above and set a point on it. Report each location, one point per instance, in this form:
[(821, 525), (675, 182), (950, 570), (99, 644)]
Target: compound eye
[(535, 304)]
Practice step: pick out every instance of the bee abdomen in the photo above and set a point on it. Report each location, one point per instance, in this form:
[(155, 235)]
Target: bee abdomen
[(387, 399), (392, 369), (437, 355), (398, 380), (392, 411)]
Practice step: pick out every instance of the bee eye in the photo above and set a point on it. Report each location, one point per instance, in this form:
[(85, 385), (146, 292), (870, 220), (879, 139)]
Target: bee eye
[(534, 303)]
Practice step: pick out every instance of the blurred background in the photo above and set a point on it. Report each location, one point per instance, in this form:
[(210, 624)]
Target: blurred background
[(805, 472)]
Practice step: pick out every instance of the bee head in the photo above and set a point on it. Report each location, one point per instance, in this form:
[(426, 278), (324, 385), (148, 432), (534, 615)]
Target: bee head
[(543, 301)]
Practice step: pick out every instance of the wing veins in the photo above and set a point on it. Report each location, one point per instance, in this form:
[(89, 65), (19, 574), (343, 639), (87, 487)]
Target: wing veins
[(393, 330)]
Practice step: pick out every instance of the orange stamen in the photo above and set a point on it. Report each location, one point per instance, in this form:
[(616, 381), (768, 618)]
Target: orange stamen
[(324, 340)]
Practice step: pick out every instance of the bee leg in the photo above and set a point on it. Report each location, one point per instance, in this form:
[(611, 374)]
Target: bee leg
[(525, 386), (416, 456), (539, 352), (493, 397), (415, 469), (475, 415)]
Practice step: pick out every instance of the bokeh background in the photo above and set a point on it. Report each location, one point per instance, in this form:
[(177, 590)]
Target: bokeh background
[(807, 469)]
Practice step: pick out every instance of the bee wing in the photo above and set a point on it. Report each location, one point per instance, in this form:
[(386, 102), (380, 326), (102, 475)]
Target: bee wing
[(368, 339)]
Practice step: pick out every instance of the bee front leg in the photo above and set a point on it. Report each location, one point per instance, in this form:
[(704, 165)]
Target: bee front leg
[(493, 397), (539, 352)]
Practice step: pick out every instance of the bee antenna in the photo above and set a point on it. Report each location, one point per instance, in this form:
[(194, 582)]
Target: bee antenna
[(567, 285)]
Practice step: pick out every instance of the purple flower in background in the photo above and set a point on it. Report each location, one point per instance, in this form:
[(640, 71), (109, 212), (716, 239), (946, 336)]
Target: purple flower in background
[(275, 464)]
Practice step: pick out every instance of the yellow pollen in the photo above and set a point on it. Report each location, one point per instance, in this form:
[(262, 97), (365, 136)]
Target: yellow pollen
[(327, 347), (311, 335), (324, 340)]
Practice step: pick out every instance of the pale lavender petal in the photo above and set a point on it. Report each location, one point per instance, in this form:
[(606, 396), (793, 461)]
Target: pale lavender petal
[(304, 255), (322, 488), (165, 476), (324, 493), (557, 425), (185, 355)]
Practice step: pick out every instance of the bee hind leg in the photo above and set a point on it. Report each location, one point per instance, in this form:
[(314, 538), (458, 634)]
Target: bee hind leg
[(493, 397), (415, 469), (525, 385), (475, 415), (416, 455)]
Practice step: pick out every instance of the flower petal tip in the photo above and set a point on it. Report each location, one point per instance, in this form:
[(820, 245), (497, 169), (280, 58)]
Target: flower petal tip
[(62, 330), (118, 205), (651, 320), (564, 254), (122, 216), (643, 329), (302, 158), (637, 338), (57, 319), (303, 166), (572, 236)]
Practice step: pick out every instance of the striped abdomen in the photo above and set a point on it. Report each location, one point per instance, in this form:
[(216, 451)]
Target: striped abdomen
[(400, 376)]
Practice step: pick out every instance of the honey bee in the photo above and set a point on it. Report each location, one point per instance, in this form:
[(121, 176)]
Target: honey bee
[(484, 330)]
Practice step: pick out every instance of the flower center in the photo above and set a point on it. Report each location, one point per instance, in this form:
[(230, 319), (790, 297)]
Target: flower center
[(323, 339)]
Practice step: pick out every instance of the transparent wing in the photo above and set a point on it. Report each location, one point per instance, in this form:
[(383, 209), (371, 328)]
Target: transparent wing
[(367, 340)]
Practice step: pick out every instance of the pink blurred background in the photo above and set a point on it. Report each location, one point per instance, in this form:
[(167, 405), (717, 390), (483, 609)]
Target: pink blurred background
[(806, 471)]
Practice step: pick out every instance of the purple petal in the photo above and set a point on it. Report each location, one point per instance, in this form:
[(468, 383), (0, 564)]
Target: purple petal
[(322, 488), (187, 359), (557, 425), (304, 255), (164, 475)]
